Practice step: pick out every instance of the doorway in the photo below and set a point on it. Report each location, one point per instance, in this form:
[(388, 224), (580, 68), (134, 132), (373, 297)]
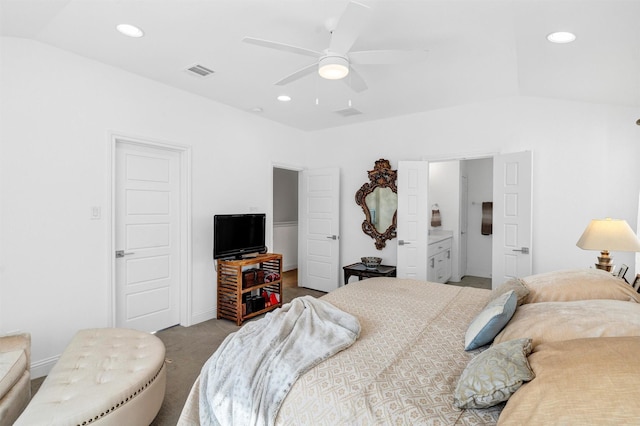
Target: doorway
[(285, 221), (150, 234), (460, 188)]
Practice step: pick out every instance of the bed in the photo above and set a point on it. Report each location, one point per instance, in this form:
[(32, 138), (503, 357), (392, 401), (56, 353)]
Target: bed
[(424, 350)]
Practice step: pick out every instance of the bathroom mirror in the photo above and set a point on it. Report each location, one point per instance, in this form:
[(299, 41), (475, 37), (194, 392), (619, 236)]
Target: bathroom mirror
[(379, 201)]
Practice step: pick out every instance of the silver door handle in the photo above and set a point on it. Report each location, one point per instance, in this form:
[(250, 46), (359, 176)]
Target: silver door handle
[(523, 250), (332, 237), (121, 253), (403, 242)]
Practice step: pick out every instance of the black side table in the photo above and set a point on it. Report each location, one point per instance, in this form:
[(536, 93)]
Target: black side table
[(361, 271)]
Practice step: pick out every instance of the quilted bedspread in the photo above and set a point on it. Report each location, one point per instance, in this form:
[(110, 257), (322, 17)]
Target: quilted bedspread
[(403, 368)]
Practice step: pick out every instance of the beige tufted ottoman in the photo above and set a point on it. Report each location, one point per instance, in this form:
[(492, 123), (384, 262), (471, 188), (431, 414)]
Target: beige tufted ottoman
[(107, 376)]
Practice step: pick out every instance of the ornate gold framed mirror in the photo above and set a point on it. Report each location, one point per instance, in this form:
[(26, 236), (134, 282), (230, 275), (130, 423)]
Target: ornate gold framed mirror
[(379, 201)]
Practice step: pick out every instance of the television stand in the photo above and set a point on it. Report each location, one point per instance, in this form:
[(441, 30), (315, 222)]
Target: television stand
[(231, 289)]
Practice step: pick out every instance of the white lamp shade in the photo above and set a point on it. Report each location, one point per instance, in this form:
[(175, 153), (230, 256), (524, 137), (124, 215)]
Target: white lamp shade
[(333, 67), (609, 234)]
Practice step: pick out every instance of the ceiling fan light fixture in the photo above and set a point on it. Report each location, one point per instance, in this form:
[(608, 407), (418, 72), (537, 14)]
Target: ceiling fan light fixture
[(333, 67)]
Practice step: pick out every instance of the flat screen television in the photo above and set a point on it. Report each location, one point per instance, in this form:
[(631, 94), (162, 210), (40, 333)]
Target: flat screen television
[(236, 235)]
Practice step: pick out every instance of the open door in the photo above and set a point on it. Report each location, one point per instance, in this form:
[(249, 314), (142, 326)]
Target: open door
[(413, 217), (512, 202), (319, 229)]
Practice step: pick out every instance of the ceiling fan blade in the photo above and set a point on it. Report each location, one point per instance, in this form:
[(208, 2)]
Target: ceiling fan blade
[(298, 74), (355, 81), (349, 27), (382, 57), (281, 46)]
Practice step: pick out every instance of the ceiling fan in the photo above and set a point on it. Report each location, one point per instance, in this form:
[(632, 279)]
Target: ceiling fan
[(335, 62)]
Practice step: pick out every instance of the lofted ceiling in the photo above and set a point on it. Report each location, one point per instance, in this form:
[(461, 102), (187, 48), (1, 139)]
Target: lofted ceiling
[(477, 50)]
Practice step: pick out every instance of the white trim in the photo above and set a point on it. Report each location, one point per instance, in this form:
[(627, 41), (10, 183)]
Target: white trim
[(459, 156), (207, 315), (186, 263), (285, 224), (42, 367), (284, 166)]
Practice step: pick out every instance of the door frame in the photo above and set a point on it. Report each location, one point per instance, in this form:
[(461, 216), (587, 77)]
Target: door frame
[(184, 153)]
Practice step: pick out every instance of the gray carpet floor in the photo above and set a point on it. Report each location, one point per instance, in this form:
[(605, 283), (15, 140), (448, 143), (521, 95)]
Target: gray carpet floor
[(188, 348)]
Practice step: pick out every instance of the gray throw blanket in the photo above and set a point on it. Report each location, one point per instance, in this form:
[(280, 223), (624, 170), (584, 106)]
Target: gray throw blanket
[(247, 378)]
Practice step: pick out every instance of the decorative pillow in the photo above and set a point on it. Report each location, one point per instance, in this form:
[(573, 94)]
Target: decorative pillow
[(490, 321), (494, 375), (579, 382), (556, 321), (577, 284), (515, 284)]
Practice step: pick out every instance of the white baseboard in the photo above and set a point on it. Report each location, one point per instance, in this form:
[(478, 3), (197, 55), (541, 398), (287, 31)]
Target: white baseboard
[(42, 367), (289, 267), (203, 316)]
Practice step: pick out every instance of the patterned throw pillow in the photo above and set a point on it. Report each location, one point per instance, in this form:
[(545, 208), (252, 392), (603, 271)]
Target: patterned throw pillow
[(490, 321), (494, 375)]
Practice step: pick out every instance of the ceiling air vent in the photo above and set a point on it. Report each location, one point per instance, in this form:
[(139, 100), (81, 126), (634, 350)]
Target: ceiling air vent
[(199, 71), (348, 112)]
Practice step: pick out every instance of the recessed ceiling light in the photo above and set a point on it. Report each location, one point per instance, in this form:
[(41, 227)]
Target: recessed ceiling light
[(284, 98), (130, 30), (561, 37)]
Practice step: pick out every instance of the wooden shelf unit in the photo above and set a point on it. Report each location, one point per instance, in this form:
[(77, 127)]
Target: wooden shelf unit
[(230, 289)]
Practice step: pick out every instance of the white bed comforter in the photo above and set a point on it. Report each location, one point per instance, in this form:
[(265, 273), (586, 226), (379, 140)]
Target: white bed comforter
[(248, 377)]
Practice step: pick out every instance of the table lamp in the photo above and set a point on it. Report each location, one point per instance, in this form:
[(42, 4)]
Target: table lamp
[(608, 235)]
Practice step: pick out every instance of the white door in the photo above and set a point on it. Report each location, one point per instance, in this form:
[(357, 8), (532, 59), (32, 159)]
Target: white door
[(511, 216), (464, 219), (413, 219), (319, 230), (147, 237)]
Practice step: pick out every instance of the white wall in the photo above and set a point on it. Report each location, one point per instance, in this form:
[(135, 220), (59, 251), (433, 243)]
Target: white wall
[(58, 110), (480, 179), (584, 165)]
